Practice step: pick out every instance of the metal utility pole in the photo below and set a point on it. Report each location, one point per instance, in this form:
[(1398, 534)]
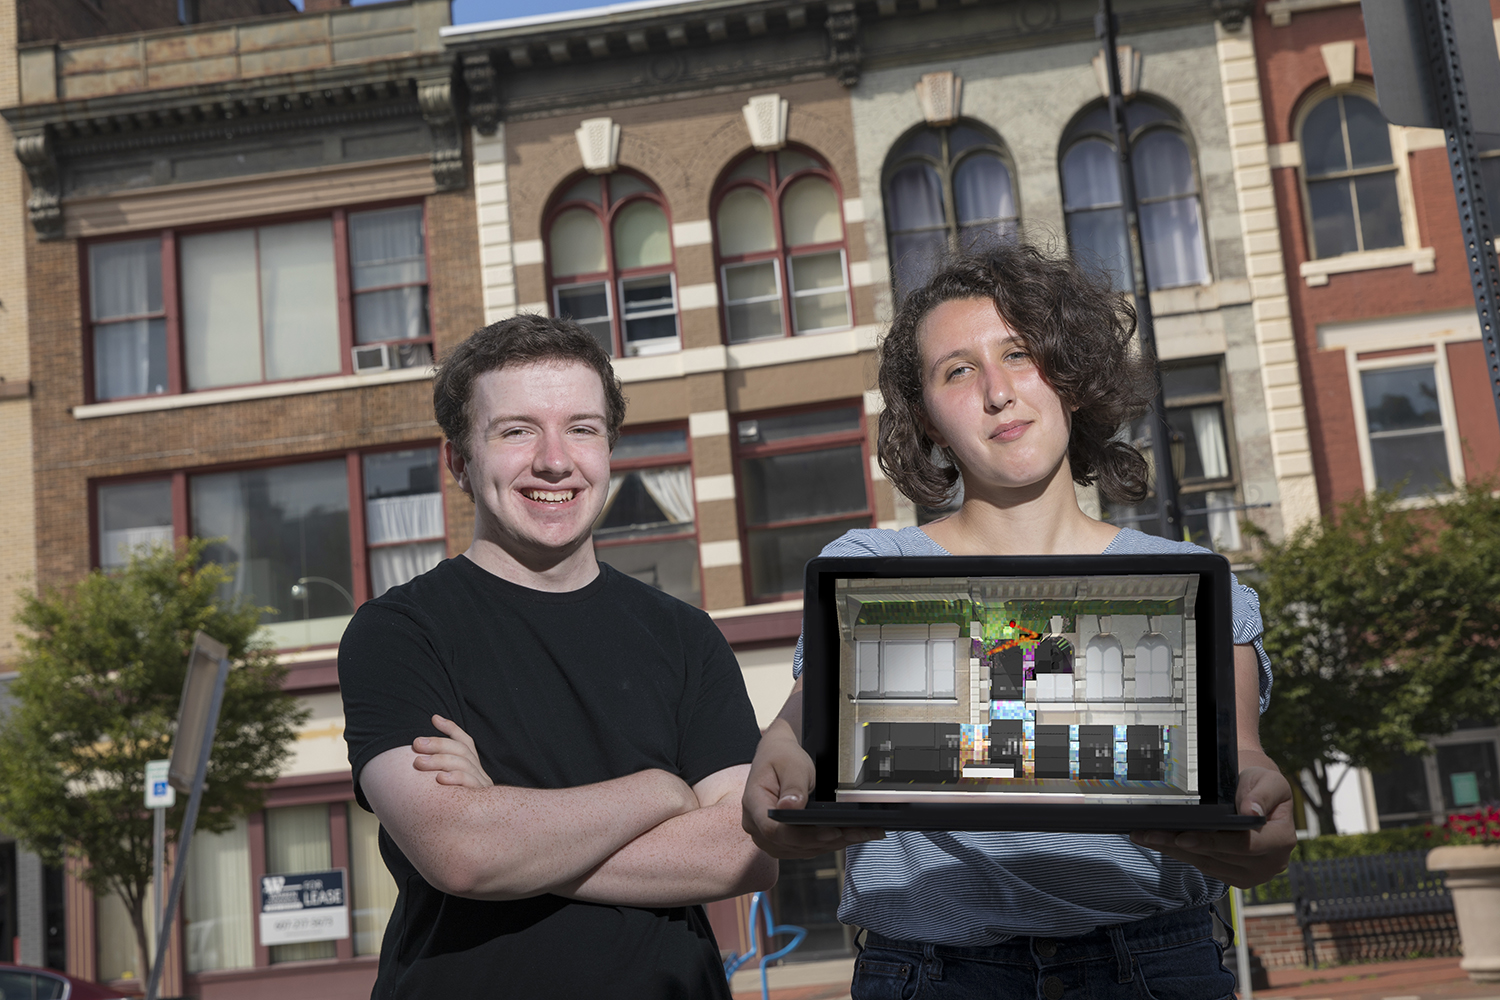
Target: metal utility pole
[(1168, 513), (1436, 67)]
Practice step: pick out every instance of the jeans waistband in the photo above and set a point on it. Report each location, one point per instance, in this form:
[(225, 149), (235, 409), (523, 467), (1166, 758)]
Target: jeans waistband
[(1162, 930)]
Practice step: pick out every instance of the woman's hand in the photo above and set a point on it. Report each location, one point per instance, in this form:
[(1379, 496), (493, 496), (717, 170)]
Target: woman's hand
[(1240, 857), (454, 760)]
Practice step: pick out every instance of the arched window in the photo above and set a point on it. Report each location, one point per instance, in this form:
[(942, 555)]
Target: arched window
[(1166, 183), (609, 256), (779, 222), (1350, 177), (944, 186)]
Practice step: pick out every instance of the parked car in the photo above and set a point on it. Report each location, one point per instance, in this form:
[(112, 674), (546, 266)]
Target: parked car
[(24, 982)]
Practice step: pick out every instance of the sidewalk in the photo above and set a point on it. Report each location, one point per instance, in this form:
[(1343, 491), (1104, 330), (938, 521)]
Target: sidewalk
[(1414, 979)]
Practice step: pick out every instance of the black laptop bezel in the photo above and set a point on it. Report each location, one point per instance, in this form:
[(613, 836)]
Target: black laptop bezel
[(1217, 730)]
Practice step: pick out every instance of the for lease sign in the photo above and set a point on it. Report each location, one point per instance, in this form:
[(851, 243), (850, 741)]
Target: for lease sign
[(303, 906)]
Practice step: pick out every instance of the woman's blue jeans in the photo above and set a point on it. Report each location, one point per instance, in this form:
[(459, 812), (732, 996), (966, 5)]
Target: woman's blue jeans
[(1172, 956)]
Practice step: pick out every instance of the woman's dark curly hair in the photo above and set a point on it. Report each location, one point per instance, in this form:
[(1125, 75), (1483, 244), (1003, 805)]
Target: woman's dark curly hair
[(1078, 331)]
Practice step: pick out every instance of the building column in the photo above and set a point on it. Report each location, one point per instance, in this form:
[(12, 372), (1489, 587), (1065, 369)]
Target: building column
[(1291, 452), (492, 208), (31, 909)]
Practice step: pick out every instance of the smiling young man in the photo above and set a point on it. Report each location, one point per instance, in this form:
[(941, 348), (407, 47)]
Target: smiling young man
[(607, 723)]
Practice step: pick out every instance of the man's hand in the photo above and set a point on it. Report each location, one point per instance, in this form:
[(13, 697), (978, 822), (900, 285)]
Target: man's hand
[(781, 777), (1240, 857)]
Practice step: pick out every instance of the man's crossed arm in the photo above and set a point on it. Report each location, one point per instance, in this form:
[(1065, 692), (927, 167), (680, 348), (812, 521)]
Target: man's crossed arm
[(645, 839)]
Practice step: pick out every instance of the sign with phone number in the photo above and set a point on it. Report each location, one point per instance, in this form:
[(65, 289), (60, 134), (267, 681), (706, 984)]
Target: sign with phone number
[(304, 906)]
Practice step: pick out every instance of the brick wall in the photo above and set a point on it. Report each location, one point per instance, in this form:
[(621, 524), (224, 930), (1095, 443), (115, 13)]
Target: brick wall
[(17, 507), (71, 453), (1276, 940)]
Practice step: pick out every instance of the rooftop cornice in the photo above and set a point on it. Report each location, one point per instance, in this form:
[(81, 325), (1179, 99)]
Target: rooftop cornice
[(48, 134), (537, 66)]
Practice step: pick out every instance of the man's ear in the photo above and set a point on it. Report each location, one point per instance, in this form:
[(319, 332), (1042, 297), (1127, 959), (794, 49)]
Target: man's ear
[(458, 465)]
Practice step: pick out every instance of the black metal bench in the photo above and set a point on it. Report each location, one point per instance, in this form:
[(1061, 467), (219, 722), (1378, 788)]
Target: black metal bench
[(1389, 903)]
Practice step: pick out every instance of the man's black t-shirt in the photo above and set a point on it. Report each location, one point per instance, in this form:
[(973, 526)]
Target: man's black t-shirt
[(557, 690)]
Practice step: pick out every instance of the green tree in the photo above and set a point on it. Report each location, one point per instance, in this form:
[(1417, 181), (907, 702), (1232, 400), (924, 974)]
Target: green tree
[(101, 675), (1383, 628)]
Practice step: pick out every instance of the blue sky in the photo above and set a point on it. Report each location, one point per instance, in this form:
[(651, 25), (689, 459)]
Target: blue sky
[(470, 11)]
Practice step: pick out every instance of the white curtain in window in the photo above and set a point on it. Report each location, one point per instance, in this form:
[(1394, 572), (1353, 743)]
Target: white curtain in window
[(115, 938), (810, 213), (1208, 431), (221, 510), (943, 653), (372, 888), (123, 355), (216, 904), (1223, 523), (297, 840), (672, 489), (220, 309), (981, 189), (642, 238), (299, 301), (745, 223), (125, 278), (394, 566), (116, 547), (404, 519), (385, 247), (577, 244)]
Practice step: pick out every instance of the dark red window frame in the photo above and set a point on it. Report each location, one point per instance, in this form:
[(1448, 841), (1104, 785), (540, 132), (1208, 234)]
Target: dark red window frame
[(814, 442), (612, 275), (782, 254), (684, 457), (172, 297), (182, 514)]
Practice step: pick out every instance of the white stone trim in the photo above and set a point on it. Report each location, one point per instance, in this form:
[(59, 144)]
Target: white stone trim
[(876, 473), (708, 423), (698, 232), (1281, 11), (712, 554), (861, 274), (1338, 59), (854, 210), (874, 402), (1285, 154), (527, 251), (1291, 451), (239, 394), (703, 296), (492, 215), (784, 350), (1316, 272), (708, 488)]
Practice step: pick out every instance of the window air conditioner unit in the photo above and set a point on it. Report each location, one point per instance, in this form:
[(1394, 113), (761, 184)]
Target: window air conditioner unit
[(371, 358)]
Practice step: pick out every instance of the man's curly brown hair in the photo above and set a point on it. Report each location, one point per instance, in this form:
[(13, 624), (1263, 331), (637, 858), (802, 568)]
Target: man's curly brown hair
[(1076, 328)]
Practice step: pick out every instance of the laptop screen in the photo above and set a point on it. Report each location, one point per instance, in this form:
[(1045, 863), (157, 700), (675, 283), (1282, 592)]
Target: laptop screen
[(1082, 687)]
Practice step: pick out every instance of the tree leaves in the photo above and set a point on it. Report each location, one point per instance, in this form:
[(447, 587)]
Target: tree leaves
[(101, 676), (1383, 628)]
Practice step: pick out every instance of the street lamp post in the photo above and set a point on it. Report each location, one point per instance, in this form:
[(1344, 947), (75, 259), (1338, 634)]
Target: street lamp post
[(1169, 515)]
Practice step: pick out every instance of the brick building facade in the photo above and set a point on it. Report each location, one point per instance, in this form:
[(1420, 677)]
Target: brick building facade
[(1386, 333)]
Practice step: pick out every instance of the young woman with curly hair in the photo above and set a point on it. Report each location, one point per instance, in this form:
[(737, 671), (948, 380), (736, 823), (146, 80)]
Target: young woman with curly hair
[(1010, 372)]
